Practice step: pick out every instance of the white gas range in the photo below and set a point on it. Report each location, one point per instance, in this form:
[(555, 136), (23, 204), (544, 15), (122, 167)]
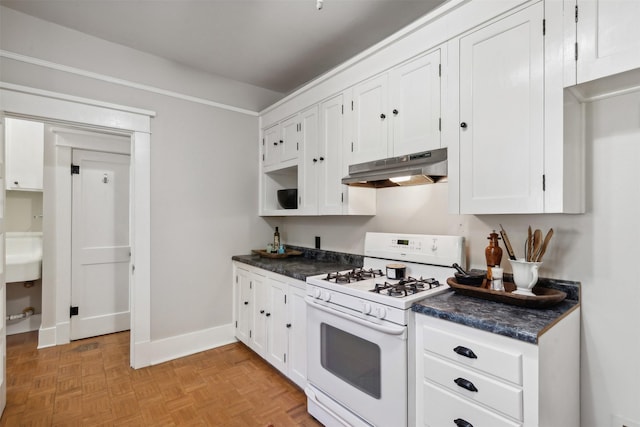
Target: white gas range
[(357, 323)]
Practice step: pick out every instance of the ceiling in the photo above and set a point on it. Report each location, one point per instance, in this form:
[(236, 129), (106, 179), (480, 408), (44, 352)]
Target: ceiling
[(274, 44)]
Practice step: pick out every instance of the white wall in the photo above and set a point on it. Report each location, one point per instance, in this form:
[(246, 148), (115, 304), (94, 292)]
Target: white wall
[(204, 162), (599, 249)]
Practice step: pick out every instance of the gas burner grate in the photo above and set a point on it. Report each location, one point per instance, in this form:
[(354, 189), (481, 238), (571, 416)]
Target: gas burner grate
[(355, 275), (405, 287)]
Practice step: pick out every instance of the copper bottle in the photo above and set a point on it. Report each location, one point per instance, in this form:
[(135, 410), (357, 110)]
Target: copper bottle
[(493, 253)]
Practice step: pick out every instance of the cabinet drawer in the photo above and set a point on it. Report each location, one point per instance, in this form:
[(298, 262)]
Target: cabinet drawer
[(475, 386), (442, 408), (497, 361)]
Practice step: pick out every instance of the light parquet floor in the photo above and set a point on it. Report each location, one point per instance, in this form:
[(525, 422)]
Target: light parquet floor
[(89, 383)]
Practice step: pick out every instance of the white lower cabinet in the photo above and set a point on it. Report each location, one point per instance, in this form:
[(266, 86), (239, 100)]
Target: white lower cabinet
[(270, 318), (467, 377)]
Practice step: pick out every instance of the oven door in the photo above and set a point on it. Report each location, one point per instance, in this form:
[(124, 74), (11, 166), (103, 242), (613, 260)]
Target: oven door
[(358, 364)]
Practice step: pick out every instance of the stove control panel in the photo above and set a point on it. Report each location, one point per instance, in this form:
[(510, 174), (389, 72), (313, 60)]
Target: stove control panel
[(421, 248)]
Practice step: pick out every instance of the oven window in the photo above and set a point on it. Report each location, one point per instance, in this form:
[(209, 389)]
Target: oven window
[(351, 358)]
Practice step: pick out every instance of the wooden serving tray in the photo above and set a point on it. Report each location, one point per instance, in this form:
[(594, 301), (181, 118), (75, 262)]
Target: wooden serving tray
[(287, 253), (544, 297)]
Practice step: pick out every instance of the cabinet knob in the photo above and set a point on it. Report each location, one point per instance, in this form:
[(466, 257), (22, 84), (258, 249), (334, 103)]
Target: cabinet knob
[(268, 314), (15, 182), (275, 143), (315, 160), (261, 311), (321, 159), (288, 325), (281, 142), (395, 112), (246, 303), (383, 116), (463, 125), (462, 423)]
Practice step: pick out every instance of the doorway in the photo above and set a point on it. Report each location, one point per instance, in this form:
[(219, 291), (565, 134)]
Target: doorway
[(22, 101)]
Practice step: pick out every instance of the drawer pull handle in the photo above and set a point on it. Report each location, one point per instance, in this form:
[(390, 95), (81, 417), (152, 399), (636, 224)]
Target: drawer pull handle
[(466, 384), (466, 352), (462, 423)]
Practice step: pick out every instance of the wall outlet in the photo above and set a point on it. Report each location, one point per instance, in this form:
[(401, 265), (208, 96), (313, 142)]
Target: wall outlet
[(618, 421), (317, 242)]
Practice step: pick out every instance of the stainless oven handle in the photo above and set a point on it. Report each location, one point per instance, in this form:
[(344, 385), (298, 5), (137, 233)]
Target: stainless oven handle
[(389, 330)]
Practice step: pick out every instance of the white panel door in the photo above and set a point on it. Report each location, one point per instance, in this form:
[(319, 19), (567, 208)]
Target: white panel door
[(501, 115), (260, 309), (329, 163), (415, 105), (608, 38), (290, 138), (100, 251), (244, 305), (25, 154), (3, 292), (308, 169), (370, 121), (276, 325), (297, 327), (271, 150)]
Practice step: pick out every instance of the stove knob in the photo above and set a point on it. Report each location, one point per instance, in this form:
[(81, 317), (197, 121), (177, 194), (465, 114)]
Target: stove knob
[(366, 308), (381, 312), (317, 293), (326, 296)]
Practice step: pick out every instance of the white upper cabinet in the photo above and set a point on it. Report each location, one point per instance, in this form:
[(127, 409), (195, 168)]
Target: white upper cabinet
[(281, 143), (24, 154), (370, 120), (329, 156), (415, 105), (608, 37), (501, 122)]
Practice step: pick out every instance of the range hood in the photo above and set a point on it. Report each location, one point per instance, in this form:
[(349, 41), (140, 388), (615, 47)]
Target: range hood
[(425, 167)]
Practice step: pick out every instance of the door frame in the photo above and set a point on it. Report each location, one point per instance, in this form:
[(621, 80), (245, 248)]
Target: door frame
[(53, 107)]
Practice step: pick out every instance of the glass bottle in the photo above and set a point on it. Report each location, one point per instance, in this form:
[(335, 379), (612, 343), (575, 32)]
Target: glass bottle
[(276, 240), (493, 253)]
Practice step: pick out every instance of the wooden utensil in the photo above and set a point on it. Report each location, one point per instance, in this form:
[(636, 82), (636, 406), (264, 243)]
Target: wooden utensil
[(537, 244), (543, 249), (507, 243), (528, 245)]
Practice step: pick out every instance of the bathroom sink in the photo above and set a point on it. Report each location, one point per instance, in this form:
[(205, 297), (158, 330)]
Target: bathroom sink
[(23, 256)]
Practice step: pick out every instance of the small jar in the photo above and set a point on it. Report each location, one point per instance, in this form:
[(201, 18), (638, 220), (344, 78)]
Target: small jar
[(496, 280)]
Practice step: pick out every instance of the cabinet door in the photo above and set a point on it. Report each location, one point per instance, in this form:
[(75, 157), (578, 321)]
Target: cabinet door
[(244, 305), (271, 149), (259, 337), (608, 38), (289, 138), (276, 325), (308, 181), (329, 165), (297, 327), (415, 105), (501, 115), (370, 121), (24, 154)]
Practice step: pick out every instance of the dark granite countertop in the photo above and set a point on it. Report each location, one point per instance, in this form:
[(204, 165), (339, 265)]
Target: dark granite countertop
[(311, 263), (524, 324)]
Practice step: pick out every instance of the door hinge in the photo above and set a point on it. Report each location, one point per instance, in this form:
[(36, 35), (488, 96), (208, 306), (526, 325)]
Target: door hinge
[(544, 183), (262, 141), (133, 268), (236, 278), (544, 27), (75, 169), (297, 146), (73, 311), (285, 299), (249, 334), (250, 285), (439, 70), (576, 14), (440, 123), (341, 197), (352, 146), (285, 358), (576, 49), (263, 157), (342, 110), (236, 323)]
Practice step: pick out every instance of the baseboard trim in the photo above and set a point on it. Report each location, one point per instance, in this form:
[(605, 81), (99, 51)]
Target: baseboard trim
[(184, 345), (47, 337)]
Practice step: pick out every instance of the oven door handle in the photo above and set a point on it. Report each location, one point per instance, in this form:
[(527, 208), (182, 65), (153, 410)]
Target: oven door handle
[(389, 330)]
